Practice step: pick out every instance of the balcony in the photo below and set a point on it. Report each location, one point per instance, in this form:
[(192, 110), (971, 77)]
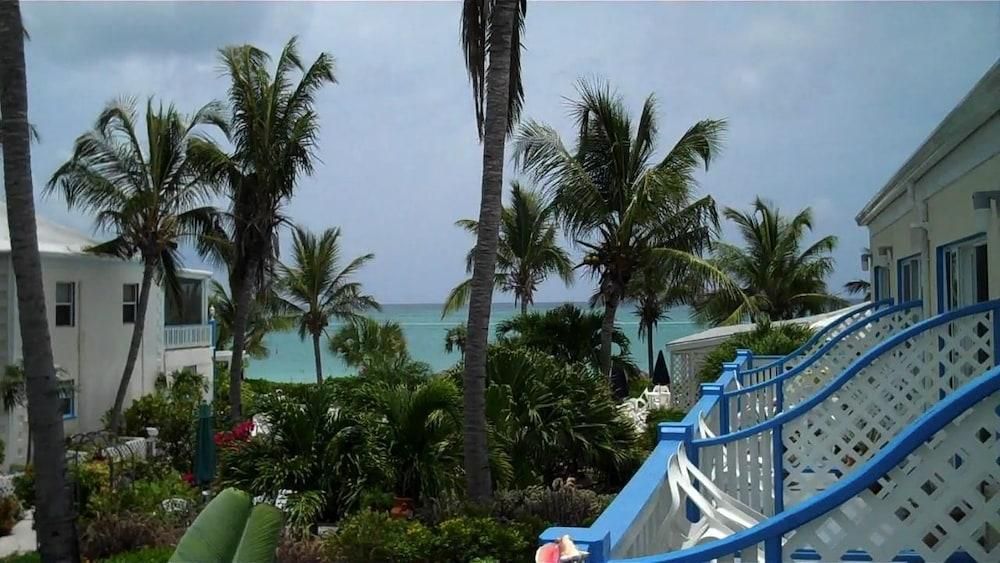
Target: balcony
[(187, 336)]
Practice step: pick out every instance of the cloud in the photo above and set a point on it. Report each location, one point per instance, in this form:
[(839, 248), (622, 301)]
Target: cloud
[(824, 101)]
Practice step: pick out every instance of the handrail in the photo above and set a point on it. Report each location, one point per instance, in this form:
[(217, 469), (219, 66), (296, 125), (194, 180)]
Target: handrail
[(859, 364), (915, 435), (826, 347), (819, 335)]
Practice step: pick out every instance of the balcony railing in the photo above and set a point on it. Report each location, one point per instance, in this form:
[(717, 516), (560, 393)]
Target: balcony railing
[(187, 336)]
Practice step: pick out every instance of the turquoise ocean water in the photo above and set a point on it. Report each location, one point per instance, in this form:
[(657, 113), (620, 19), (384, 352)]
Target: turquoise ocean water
[(291, 359)]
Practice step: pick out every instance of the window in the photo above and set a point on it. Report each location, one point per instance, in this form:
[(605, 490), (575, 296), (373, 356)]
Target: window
[(186, 310), (963, 274), (65, 304), (910, 286), (130, 301), (881, 282), (67, 399)]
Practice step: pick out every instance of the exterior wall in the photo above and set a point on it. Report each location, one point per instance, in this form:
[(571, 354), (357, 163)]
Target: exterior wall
[(93, 352), (946, 190)]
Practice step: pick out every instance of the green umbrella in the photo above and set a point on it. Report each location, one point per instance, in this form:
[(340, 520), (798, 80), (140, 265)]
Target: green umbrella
[(204, 452)]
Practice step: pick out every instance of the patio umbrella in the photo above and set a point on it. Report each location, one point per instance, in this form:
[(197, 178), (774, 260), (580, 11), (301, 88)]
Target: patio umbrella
[(204, 452), (619, 384), (661, 375)]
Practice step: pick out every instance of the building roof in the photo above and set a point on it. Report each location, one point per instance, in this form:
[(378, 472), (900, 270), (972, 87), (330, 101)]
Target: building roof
[(720, 333), (978, 106), (52, 238)]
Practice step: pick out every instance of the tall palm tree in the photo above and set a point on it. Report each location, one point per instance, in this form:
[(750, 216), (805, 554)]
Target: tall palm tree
[(148, 196), (624, 208), (781, 277), (317, 289), (54, 522), (491, 42), (274, 133), (527, 252), (364, 342)]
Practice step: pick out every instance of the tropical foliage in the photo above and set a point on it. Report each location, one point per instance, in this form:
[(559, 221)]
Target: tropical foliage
[(626, 208), (318, 289), (267, 314), (149, 196), (780, 276), (655, 290), (568, 334), (527, 253), (454, 339), (231, 528), (365, 342), (274, 131), (766, 339)]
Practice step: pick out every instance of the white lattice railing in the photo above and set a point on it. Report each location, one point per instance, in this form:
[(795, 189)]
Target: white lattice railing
[(772, 369), (758, 402), (187, 336), (739, 481)]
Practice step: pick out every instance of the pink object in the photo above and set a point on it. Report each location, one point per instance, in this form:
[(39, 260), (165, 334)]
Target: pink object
[(548, 553)]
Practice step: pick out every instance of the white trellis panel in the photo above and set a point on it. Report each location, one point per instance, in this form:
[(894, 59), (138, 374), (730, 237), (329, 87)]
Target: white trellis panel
[(944, 497)]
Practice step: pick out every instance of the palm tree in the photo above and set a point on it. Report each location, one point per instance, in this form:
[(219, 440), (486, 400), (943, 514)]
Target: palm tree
[(454, 339), (364, 342), (491, 42), (654, 291), (274, 132), (54, 522), (267, 314), (779, 278), (859, 287), (527, 251), (150, 197), (626, 210), (318, 289)]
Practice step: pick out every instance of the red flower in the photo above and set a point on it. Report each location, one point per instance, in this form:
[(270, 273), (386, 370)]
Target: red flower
[(188, 478)]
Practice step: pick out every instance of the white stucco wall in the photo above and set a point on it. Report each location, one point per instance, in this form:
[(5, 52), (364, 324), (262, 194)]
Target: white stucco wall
[(947, 190)]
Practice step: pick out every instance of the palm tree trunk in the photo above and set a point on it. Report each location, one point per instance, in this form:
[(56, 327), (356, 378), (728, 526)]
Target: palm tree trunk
[(524, 306), (54, 523), (477, 467), (649, 347), (607, 330), (133, 349), (319, 360), (241, 311)]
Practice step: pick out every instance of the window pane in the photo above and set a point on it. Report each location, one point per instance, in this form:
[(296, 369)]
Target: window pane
[(66, 398), (64, 293), (128, 313), (982, 275), (64, 315), (186, 311), (130, 293)]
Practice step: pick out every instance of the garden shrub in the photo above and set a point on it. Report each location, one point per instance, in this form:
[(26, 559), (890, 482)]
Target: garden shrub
[(24, 487), (308, 549), (566, 506), (33, 557), (111, 534), (144, 496), (459, 540), (765, 340), (10, 513), (144, 555), (373, 537)]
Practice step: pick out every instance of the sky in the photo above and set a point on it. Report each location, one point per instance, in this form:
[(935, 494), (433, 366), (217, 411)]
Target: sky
[(824, 102)]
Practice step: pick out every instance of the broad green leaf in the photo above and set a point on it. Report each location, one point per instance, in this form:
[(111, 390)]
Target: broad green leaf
[(260, 536)]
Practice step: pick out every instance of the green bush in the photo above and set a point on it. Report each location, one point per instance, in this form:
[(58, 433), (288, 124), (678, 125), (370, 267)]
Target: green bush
[(10, 513), (372, 537), (112, 534), (459, 540), (144, 555), (172, 409), (24, 487), (765, 340), (33, 557), (144, 496), (566, 506)]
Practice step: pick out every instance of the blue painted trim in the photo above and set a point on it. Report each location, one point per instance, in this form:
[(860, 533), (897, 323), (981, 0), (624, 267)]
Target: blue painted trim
[(939, 267), (822, 333), (996, 338), (778, 470), (826, 348), (850, 372), (844, 490), (875, 285)]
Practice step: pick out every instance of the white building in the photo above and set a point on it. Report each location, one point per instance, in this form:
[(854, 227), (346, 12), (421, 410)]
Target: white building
[(91, 304), (935, 226)]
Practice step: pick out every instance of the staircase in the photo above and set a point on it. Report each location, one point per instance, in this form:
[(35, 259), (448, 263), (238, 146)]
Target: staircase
[(882, 443)]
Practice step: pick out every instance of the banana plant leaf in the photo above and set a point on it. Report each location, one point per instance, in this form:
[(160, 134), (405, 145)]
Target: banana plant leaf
[(230, 529)]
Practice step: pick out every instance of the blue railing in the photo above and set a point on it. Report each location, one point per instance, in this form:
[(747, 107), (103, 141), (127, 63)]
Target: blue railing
[(771, 531), (755, 403), (765, 372), (632, 526)]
